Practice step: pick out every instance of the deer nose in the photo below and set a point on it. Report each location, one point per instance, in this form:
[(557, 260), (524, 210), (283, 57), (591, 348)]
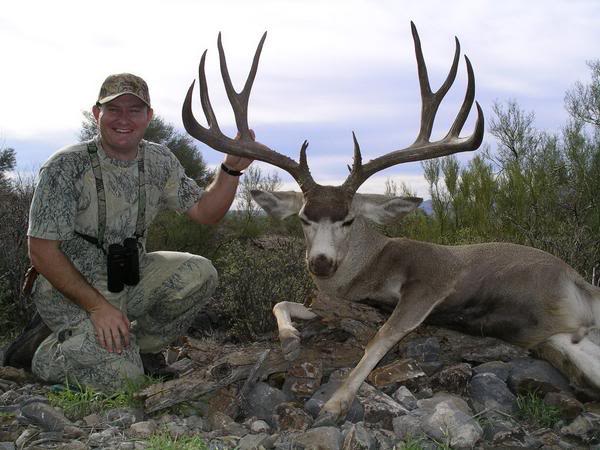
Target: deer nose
[(322, 266)]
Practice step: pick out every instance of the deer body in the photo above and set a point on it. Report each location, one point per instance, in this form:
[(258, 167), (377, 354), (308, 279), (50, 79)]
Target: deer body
[(516, 293), (519, 294)]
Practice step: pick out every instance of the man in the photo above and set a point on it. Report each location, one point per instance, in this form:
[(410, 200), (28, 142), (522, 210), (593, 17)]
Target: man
[(88, 221)]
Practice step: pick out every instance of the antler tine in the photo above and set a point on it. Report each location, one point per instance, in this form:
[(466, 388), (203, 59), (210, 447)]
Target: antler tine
[(239, 101), (245, 146), (422, 149), (430, 100)]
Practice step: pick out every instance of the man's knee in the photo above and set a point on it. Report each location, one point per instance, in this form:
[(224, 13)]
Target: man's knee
[(201, 272)]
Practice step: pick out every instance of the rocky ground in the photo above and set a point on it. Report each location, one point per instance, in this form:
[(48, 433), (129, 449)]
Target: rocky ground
[(439, 389)]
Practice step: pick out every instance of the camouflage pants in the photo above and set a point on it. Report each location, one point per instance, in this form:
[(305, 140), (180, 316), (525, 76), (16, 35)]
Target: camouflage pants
[(173, 288)]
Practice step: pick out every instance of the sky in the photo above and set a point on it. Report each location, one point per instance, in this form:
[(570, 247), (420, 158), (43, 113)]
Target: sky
[(327, 68)]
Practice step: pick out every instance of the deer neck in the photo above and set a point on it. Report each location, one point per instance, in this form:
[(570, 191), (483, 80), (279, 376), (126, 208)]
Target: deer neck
[(366, 245)]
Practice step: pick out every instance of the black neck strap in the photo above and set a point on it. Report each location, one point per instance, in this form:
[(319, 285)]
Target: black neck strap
[(140, 227)]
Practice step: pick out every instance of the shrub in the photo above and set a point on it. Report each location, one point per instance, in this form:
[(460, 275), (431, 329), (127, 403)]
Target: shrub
[(254, 276)]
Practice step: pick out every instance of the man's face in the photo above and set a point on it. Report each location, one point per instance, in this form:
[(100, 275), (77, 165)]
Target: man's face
[(122, 122)]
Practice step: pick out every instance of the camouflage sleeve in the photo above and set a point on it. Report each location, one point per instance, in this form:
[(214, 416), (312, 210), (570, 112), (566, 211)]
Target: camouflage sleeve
[(180, 192), (54, 204)]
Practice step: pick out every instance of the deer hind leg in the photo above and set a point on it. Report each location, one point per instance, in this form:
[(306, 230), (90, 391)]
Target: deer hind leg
[(410, 312), (579, 361), (289, 336)]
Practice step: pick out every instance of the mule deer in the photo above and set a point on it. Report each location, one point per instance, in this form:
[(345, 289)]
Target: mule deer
[(522, 295)]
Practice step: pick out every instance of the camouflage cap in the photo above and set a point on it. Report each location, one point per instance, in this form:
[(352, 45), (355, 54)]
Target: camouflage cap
[(123, 83)]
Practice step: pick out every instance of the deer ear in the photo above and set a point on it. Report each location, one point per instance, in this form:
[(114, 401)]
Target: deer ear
[(383, 209), (279, 204)]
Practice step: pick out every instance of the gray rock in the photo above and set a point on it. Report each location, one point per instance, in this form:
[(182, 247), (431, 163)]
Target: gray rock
[(406, 427), (426, 351), (405, 398), (101, 438), (262, 400), (254, 441), (45, 416), (259, 426), (316, 402), (196, 423), (528, 375), (143, 429), (585, 427), (488, 392), (452, 426), (322, 438), (384, 439), (499, 368), (123, 417), (225, 425), (378, 407), (25, 437), (357, 437), (7, 446)]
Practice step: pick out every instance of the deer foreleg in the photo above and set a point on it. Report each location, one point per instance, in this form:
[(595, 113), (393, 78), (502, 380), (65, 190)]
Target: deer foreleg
[(410, 312), (289, 336)]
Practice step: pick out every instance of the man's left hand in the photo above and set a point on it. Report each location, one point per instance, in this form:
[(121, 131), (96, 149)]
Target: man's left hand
[(237, 162)]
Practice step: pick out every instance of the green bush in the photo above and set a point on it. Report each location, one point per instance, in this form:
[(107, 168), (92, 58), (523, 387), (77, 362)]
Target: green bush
[(255, 275)]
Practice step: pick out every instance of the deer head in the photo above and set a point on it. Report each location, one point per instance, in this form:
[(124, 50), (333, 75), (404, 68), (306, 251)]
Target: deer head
[(329, 213)]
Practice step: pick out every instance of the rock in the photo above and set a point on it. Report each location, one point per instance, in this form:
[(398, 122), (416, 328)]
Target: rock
[(585, 427), (399, 371), (93, 420), (316, 402), (123, 417), (488, 392), (426, 351), (378, 407), (357, 437), (407, 426), (259, 426), (303, 380), (322, 438), (44, 415), (195, 423), (7, 446), (569, 407), (529, 375), (453, 379), (13, 374), (143, 429), (100, 439), (254, 441), (26, 436), (262, 400), (176, 430), (225, 425), (384, 439), (288, 416), (405, 398), (499, 368), (452, 426)]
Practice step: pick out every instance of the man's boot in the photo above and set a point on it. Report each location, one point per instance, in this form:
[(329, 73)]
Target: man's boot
[(20, 352)]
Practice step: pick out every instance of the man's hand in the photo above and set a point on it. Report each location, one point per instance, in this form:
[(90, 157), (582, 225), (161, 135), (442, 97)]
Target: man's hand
[(111, 326), (237, 162)]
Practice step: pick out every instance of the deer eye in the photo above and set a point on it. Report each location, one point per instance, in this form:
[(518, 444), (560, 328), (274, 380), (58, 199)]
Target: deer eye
[(348, 222)]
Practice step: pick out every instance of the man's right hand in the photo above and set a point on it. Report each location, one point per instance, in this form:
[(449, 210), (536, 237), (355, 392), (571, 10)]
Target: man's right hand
[(111, 326)]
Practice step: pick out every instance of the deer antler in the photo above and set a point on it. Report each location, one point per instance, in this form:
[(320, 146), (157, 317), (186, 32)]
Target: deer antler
[(422, 148), (245, 146)]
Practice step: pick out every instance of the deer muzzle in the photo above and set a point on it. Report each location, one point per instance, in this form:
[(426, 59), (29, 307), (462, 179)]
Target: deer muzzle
[(322, 266)]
